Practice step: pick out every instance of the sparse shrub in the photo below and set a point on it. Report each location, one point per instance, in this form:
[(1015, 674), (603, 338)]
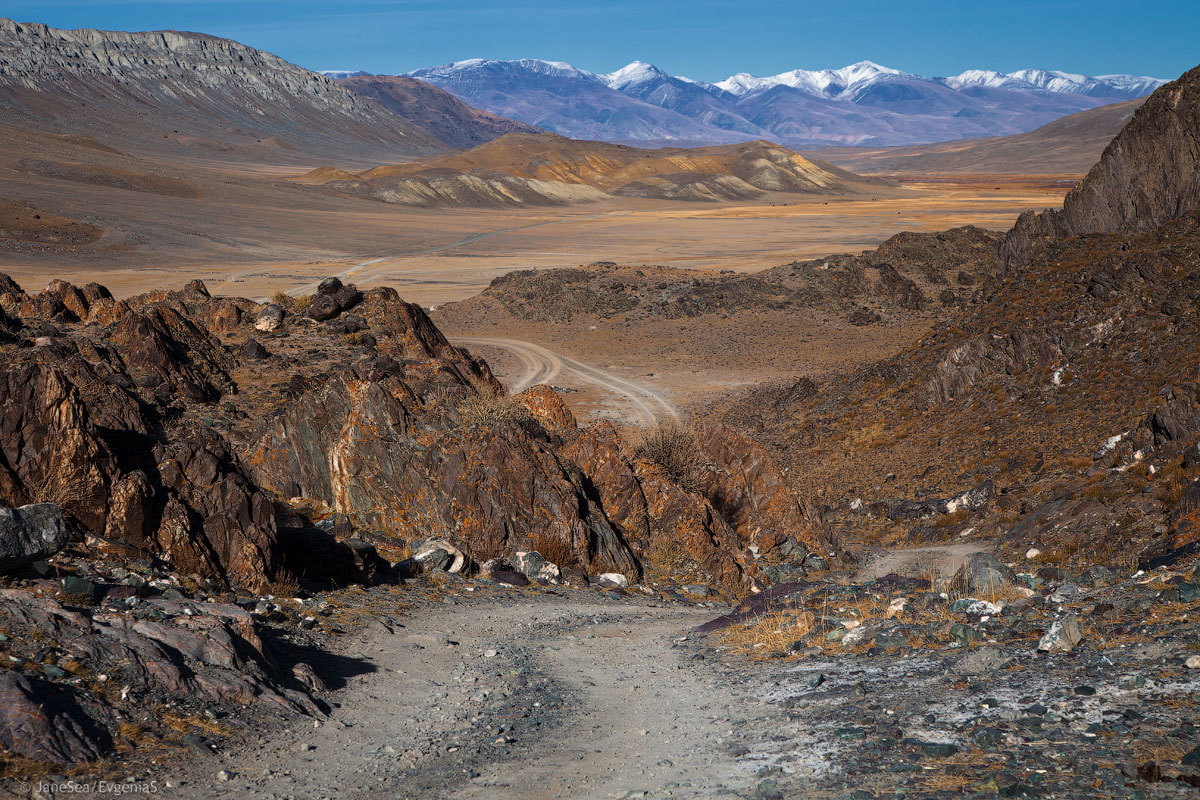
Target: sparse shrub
[(297, 305), (489, 406), (673, 448), (554, 549), (286, 584), (1173, 486), (953, 518)]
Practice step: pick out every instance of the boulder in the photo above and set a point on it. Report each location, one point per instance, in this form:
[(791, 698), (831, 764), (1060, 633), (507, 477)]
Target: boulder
[(1063, 636), (329, 286), (533, 566), (323, 307), (982, 574), (252, 350), (270, 318), (547, 407), (611, 580), (31, 533)]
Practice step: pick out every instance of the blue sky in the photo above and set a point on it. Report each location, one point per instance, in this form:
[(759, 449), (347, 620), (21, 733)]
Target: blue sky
[(702, 39)]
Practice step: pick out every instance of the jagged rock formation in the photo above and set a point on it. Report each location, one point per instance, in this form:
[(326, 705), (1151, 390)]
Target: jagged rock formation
[(1148, 175), (192, 655), (166, 430)]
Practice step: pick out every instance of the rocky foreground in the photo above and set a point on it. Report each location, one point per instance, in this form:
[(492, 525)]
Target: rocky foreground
[(175, 465), (1059, 685)]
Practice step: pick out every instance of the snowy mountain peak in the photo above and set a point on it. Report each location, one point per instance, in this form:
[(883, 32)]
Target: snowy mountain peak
[(633, 73), (343, 73), (830, 83)]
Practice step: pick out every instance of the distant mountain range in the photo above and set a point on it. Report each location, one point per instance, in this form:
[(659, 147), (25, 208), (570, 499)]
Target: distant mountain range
[(862, 104)]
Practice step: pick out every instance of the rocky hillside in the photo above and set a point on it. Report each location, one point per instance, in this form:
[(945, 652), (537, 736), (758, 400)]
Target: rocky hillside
[(1069, 145), (1060, 411), (520, 168), (908, 274), (190, 429), (186, 84), (1147, 176), (440, 113)]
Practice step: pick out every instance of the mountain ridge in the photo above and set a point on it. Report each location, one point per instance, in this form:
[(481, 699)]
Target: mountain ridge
[(861, 104)]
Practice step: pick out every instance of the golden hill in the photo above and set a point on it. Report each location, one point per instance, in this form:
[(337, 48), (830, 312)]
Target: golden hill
[(725, 172)]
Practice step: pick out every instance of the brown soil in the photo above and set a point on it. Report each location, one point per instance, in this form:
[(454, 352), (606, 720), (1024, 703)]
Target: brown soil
[(23, 223)]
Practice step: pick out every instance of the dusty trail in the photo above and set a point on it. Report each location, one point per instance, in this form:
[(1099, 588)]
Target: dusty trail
[(533, 696), (543, 365)]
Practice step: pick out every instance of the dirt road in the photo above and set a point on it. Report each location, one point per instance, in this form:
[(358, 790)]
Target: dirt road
[(526, 695), (543, 366)]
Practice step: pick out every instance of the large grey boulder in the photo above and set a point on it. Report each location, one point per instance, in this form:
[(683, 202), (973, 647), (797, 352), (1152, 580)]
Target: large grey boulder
[(31, 533), (983, 575)]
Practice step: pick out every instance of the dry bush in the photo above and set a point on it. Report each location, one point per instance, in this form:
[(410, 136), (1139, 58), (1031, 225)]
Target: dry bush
[(673, 448), (488, 407), (554, 549), (297, 305), (1173, 485), (286, 584), (952, 518), (769, 634)]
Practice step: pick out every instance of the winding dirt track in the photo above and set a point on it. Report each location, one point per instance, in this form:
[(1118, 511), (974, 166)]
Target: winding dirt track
[(542, 365)]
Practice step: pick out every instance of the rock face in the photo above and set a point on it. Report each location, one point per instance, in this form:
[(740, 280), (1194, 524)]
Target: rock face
[(42, 724), (1148, 175), (189, 653), (31, 533), (238, 88), (164, 430)]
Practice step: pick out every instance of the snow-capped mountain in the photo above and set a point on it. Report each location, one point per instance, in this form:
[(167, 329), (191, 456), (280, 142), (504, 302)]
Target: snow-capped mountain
[(829, 83), (863, 103), (334, 74), (1124, 87)]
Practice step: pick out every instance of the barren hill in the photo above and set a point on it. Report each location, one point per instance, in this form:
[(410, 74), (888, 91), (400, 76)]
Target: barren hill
[(437, 111), (1069, 145), (521, 168), (177, 84)]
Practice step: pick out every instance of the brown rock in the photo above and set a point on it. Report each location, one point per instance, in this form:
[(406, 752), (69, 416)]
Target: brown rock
[(547, 407)]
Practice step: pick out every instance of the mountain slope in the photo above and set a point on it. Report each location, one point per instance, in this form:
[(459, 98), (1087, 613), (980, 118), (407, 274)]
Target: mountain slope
[(566, 100), (862, 104), (1149, 174), (186, 85), (1067, 394), (437, 111), (1068, 145)]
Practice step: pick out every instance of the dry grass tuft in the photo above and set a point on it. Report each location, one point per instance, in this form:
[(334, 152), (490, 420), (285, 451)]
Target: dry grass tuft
[(673, 448), (555, 550), (286, 584), (770, 634), (488, 407), (297, 305)]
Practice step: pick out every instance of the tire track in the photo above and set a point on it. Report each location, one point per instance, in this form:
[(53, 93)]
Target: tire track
[(541, 364)]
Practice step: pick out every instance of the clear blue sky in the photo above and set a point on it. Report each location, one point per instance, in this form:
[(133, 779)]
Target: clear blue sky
[(702, 39)]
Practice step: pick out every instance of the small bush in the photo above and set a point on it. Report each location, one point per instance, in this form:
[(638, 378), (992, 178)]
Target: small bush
[(297, 305), (673, 448), (553, 549), (488, 407)]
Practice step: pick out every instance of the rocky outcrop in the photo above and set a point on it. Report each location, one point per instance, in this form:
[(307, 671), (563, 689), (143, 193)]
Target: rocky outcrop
[(31, 533), (208, 86), (1148, 175), (190, 654)]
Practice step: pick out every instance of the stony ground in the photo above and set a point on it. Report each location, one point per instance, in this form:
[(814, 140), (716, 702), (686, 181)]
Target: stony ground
[(464, 689)]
